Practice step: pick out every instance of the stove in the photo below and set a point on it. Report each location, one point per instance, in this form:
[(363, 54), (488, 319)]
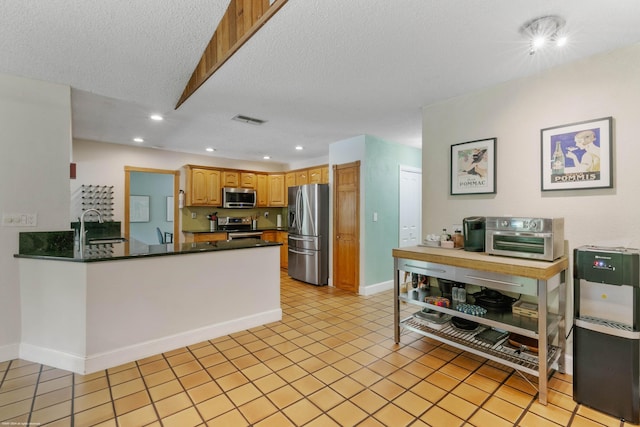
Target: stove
[(238, 227)]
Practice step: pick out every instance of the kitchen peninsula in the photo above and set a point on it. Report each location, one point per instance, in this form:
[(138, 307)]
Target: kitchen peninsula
[(89, 313)]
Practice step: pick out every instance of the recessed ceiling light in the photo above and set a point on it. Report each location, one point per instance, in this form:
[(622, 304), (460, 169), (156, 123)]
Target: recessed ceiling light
[(266, 157), (156, 117), (299, 147), (138, 140), (209, 149)]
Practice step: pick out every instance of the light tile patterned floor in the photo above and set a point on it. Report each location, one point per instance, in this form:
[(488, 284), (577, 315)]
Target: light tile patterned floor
[(331, 361)]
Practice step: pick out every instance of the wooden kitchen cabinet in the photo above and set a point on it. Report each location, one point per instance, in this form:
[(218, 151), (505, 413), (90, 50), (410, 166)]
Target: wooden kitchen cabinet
[(277, 190), (248, 180), (283, 237), (325, 175), (302, 177), (205, 237), (315, 176), (203, 187), (231, 179), (262, 190), (280, 237), (290, 179)]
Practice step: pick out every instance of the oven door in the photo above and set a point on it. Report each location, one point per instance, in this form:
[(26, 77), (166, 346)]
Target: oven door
[(234, 235), (521, 245)]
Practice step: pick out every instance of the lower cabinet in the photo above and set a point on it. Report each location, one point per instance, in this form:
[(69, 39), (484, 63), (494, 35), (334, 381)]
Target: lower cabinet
[(280, 237), (204, 237)]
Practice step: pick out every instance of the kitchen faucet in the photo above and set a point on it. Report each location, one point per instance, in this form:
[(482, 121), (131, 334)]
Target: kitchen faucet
[(82, 237)]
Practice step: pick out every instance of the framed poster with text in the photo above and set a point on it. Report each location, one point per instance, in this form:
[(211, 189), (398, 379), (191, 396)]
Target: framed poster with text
[(473, 167), (577, 156)]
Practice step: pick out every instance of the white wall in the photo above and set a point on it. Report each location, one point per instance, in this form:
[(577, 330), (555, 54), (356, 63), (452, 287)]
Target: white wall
[(103, 164), (605, 85), (35, 139), (515, 112)]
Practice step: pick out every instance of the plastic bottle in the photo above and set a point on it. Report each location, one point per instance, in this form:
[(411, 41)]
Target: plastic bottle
[(454, 292), (444, 237), (462, 293)]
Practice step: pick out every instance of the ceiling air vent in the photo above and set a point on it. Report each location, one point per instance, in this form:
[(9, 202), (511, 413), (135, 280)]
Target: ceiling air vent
[(247, 119)]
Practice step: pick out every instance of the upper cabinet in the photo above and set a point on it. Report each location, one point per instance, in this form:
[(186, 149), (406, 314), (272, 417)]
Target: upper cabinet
[(302, 177), (203, 187), (262, 190), (315, 176), (277, 190), (248, 180), (231, 179)]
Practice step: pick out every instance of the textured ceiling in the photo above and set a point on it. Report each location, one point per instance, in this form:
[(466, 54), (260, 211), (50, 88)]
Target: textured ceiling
[(319, 71)]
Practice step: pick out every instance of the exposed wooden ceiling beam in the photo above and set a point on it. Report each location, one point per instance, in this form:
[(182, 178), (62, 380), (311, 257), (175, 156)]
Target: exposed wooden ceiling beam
[(242, 20)]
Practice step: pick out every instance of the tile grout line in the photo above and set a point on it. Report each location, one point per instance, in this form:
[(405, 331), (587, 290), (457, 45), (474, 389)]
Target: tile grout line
[(35, 393), (146, 388)]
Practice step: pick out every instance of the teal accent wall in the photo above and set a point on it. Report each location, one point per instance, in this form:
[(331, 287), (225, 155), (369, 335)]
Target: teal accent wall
[(158, 187), (381, 186)]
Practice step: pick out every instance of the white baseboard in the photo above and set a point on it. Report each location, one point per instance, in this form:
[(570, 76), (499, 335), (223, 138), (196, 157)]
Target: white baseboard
[(97, 362), (376, 288), (9, 352)]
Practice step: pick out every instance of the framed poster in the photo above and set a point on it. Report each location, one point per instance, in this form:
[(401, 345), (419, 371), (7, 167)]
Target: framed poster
[(473, 167), (577, 156), (139, 208)]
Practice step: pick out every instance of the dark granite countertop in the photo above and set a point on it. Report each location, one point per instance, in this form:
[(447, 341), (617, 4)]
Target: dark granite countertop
[(120, 251)]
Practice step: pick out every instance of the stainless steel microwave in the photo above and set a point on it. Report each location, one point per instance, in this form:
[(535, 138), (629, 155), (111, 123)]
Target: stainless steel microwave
[(534, 238), (243, 198)]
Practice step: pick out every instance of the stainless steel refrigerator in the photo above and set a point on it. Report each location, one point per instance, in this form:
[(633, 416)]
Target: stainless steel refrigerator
[(308, 222)]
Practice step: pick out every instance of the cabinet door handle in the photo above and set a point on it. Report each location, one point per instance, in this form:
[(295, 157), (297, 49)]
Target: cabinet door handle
[(494, 281)]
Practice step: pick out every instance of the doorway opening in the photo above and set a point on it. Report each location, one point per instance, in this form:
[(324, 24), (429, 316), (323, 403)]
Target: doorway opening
[(139, 209)]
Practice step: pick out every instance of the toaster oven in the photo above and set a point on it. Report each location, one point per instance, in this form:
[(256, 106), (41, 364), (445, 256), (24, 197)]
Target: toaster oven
[(533, 238)]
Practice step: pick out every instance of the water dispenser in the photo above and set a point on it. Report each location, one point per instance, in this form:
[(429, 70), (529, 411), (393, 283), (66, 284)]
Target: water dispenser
[(606, 340)]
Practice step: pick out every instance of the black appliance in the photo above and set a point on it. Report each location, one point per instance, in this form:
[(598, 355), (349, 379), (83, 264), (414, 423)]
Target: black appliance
[(493, 300), (606, 340), (474, 233)]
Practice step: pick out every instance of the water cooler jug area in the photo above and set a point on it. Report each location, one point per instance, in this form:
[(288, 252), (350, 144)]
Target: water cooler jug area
[(606, 340)]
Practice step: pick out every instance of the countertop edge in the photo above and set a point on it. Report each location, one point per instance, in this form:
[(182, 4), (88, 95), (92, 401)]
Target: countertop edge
[(225, 231), (541, 270), (200, 250)]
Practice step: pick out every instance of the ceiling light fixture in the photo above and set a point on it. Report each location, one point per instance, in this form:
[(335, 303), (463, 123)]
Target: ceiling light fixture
[(209, 149), (266, 157), (156, 117), (138, 140), (540, 31), (247, 119), (299, 147)]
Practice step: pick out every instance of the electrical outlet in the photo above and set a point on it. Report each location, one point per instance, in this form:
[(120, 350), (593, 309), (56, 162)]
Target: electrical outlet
[(19, 220), (193, 215), (455, 227)]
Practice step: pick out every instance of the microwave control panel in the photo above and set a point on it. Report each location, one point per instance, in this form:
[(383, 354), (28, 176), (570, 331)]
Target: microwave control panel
[(519, 224)]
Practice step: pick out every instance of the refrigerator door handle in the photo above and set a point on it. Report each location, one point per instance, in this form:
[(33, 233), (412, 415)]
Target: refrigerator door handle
[(303, 239), (301, 253)]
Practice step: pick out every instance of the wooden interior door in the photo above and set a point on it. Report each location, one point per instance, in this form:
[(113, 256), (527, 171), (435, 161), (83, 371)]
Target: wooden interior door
[(346, 226)]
